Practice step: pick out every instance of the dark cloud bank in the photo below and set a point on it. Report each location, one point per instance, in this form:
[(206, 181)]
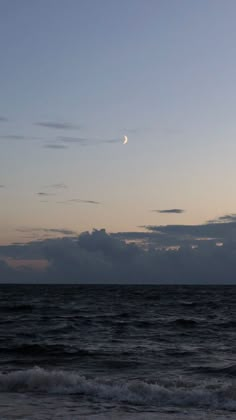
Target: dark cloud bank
[(171, 254)]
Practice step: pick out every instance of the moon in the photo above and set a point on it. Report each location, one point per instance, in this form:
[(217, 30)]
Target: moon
[(125, 139)]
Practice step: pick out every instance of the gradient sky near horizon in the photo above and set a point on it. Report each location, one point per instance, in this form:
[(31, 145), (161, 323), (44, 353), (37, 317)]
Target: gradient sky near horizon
[(76, 76)]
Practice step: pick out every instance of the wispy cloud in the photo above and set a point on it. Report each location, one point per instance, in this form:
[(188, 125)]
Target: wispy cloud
[(228, 218), (63, 142), (87, 141), (13, 137), (58, 125), (2, 186), (170, 211), (44, 194), (68, 139), (112, 141), (59, 186), (55, 146), (78, 200), (53, 187), (47, 230), (18, 137), (3, 119)]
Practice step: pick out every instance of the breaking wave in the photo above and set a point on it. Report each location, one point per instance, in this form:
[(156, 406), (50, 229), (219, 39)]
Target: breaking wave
[(177, 394)]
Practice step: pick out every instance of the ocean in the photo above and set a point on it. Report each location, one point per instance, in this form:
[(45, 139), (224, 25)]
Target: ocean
[(117, 352)]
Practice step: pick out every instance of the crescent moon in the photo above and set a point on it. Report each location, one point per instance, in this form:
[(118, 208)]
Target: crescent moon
[(125, 140)]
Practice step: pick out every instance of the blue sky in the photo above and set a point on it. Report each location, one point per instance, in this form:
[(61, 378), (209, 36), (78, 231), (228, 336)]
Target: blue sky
[(161, 72)]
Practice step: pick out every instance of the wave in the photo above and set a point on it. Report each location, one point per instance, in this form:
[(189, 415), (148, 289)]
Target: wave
[(60, 350), (229, 370), (184, 322), (187, 303), (46, 350), (226, 324), (17, 308), (178, 394)]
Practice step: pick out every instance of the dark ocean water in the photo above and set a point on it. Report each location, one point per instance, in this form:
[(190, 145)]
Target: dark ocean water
[(81, 352)]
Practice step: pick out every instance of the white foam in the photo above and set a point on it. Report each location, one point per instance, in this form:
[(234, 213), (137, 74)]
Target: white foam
[(179, 394)]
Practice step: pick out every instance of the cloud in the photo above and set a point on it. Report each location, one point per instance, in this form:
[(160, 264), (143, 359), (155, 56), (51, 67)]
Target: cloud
[(225, 219), (58, 125), (14, 275), (170, 211), (13, 137), (55, 146), (47, 230), (67, 139), (82, 141), (112, 141), (99, 257), (222, 229), (59, 186), (63, 142), (3, 119), (2, 186), (208, 230), (19, 137), (78, 200), (171, 254), (45, 194)]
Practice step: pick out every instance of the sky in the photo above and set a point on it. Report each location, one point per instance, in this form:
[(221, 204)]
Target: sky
[(76, 77)]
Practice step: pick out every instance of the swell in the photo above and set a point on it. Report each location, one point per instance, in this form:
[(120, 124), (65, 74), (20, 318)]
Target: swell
[(229, 370), (184, 323), (17, 308), (62, 351), (45, 350)]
